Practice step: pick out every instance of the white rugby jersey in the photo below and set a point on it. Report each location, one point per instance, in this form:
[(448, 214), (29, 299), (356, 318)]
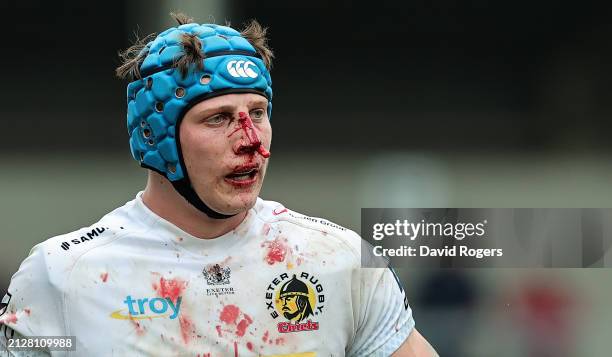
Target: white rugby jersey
[(280, 283)]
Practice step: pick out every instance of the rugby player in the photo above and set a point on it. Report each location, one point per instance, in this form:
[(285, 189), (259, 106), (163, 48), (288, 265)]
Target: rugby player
[(197, 264)]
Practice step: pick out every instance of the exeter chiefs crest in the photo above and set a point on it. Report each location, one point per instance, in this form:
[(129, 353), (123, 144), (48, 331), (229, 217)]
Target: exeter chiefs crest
[(296, 300), (215, 275)]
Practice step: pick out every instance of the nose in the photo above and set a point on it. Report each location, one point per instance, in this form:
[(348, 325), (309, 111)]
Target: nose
[(249, 142)]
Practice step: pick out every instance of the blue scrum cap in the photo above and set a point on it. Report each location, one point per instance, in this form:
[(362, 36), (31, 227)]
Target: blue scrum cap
[(159, 99)]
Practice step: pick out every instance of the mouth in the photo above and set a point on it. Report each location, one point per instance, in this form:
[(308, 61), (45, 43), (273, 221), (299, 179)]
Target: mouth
[(243, 176)]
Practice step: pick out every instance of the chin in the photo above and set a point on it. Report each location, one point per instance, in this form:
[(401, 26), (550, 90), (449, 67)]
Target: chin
[(236, 204)]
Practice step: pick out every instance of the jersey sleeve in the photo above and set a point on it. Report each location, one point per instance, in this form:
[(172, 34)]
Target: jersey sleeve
[(32, 306), (384, 319)]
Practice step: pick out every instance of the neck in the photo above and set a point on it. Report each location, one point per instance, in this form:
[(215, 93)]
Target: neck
[(160, 197)]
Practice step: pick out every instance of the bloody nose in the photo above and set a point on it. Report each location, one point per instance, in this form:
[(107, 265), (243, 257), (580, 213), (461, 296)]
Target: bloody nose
[(252, 143)]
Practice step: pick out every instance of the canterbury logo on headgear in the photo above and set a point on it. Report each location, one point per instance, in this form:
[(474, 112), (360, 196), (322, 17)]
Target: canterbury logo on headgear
[(241, 69)]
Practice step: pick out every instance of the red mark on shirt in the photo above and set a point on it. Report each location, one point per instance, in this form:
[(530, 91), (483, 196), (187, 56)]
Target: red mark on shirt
[(254, 144), (265, 229), (218, 327), (230, 314), (274, 212), (172, 288), (243, 325), (186, 328), (265, 337), (235, 349), (27, 311), (104, 277), (140, 331), (277, 250), (250, 346), (9, 319)]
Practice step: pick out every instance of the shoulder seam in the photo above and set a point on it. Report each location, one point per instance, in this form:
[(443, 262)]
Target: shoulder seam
[(335, 234)]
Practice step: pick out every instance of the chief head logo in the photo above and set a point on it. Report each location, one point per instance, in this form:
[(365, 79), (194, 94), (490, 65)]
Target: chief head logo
[(296, 300), (241, 68)]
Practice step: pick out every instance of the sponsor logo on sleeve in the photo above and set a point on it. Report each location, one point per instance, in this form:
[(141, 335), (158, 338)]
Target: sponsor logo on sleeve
[(296, 301), (86, 237)]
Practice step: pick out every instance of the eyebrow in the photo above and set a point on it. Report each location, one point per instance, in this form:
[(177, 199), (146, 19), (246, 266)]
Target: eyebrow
[(230, 108)]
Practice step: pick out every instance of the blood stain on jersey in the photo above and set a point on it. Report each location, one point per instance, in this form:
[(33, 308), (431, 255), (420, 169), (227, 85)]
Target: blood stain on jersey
[(265, 229), (249, 346), (229, 314), (11, 318), (140, 330), (298, 300), (170, 288), (276, 250), (104, 277), (243, 325), (187, 328), (218, 327)]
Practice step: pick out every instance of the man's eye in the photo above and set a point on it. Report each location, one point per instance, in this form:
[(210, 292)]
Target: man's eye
[(257, 114), (215, 119)]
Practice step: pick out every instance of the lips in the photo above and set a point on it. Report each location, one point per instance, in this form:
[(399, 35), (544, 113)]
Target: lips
[(243, 175)]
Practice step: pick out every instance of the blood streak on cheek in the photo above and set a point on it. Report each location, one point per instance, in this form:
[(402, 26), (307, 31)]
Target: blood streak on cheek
[(172, 288)]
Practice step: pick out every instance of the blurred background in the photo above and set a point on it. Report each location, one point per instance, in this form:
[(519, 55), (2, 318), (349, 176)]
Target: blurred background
[(377, 104)]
